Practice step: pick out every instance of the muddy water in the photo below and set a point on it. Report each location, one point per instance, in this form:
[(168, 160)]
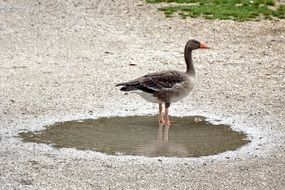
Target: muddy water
[(141, 135)]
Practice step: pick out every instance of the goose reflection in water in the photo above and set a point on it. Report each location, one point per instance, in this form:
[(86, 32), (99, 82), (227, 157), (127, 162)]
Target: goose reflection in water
[(163, 146)]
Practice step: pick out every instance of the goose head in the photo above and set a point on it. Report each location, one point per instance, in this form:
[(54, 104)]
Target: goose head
[(194, 44)]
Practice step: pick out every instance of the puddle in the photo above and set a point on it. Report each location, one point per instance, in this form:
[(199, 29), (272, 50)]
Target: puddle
[(141, 135)]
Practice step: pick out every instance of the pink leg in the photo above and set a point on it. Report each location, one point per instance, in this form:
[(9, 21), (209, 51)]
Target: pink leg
[(161, 118), (166, 117)]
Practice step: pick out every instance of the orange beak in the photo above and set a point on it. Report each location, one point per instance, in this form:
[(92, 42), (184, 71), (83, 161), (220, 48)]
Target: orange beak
[(204, 46)]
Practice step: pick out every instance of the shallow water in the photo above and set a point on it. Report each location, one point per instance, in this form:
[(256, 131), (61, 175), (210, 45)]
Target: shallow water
[(141, 135)]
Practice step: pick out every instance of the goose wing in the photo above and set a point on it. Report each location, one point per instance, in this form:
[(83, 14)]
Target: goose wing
[(154, 82)]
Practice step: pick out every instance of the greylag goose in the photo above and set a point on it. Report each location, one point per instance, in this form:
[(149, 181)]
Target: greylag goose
[(166, 87)]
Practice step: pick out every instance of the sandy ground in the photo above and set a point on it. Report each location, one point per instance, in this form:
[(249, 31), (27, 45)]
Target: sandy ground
[(61, 59)]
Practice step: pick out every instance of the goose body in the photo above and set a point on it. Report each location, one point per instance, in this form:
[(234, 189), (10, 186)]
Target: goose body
[(160, 87), (166, 87)]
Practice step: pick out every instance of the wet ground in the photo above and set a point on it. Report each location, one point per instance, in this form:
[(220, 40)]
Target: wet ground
[(141, 135)]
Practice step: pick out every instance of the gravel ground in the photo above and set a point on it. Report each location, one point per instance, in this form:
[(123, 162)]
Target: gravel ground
[(60, 61)]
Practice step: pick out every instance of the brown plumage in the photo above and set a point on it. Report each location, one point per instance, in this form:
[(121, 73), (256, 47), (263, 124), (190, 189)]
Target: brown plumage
[(165, 87)]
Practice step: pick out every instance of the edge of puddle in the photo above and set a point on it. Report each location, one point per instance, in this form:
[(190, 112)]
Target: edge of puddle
[(260, 135), (196, 142)]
